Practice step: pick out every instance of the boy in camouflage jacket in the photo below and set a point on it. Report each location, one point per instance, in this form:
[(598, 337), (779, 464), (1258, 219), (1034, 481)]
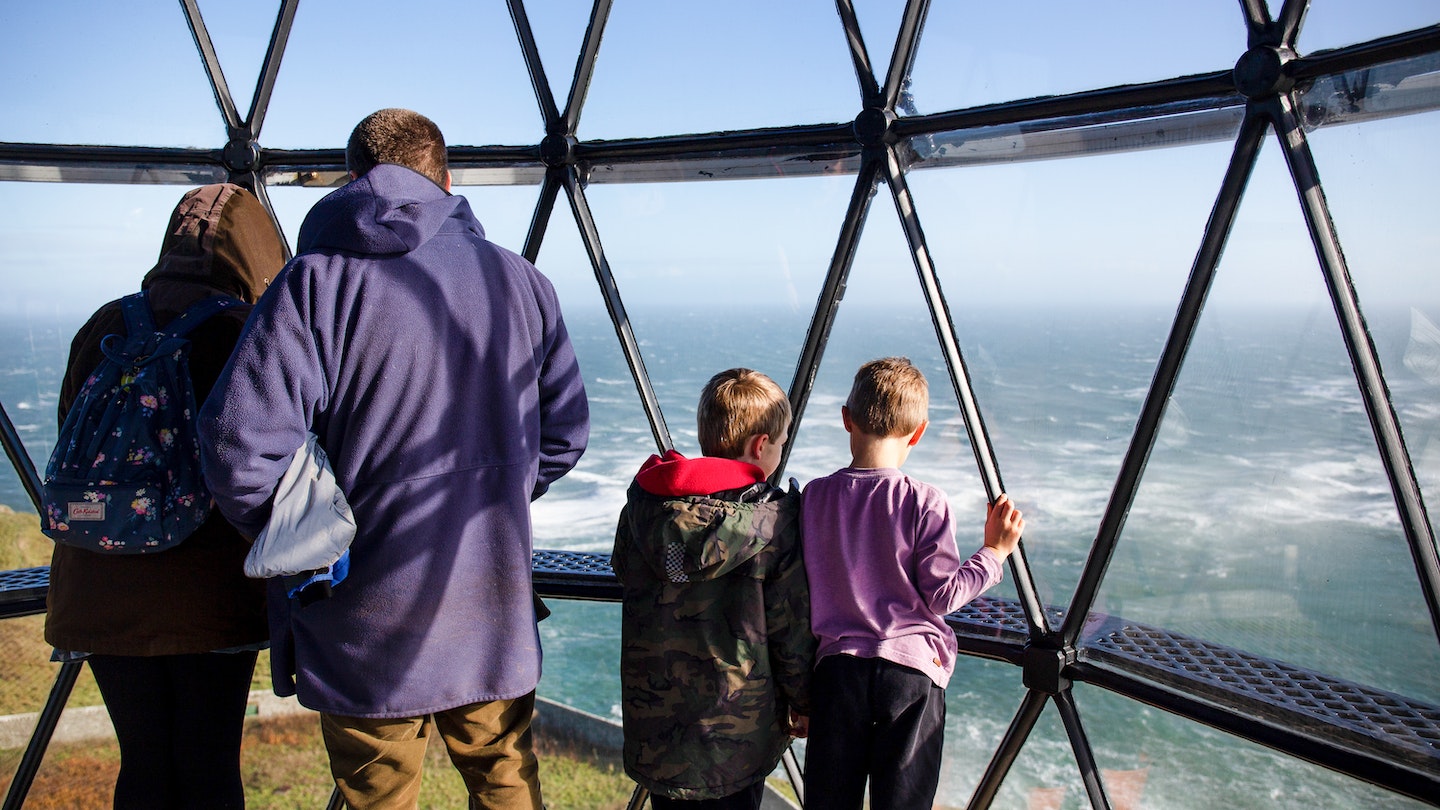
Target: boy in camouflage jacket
[(715, 638)]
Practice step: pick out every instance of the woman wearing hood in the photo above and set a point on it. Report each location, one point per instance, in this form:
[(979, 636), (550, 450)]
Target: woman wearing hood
[(172, 637)]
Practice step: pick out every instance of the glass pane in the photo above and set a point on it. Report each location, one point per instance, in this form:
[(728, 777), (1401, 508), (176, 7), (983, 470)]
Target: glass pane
[(1166, 761), (1045, 776), (982, 53), (1264, 517), (879, 25), (677, 68), (559, 27), (240, 30), (1331, 25), (87, 73), (1379, 180), (475, 88), (1062, 278), (717, 275)]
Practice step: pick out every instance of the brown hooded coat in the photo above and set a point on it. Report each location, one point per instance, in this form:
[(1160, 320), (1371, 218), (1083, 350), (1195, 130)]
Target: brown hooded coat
[(193, 598)]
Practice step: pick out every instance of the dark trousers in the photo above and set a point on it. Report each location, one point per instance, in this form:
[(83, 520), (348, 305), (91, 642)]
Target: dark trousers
[(874, 719), (745, 799), (179, 719)]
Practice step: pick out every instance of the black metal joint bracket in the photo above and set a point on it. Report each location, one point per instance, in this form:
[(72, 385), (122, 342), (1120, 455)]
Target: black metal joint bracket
[(557, 150), (1260, 71), (241, 154), (872, 126), (1045, 663)]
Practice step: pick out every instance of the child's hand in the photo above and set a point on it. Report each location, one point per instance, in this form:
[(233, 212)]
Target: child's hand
[(799, 725), (1003, 527)]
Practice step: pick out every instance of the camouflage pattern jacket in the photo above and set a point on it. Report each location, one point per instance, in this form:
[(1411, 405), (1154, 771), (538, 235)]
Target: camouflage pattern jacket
[(715, 636)]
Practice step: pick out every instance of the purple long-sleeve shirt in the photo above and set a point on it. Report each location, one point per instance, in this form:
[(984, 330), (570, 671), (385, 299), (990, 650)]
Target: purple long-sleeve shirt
[(883, 568), (436, 370)]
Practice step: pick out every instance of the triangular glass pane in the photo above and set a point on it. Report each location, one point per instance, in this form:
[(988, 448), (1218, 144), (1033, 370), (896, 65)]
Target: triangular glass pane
[(1062, 278), (98, 73), (1045, 776), (879, 26), (1379, 179), (679, 68), (1159, 759), (717, 275), (240, 30), (559, 27), (981, 53), (1334, 25), (1264, 519), (477, 91)]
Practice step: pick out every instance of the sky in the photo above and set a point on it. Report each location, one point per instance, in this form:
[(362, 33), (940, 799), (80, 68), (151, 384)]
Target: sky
[(1112, 228)]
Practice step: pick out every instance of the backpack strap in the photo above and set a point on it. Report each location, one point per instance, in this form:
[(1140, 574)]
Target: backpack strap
[(136, 308), (197, 313)]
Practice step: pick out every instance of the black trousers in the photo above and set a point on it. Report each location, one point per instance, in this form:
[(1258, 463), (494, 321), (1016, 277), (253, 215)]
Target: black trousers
[(179, 719), (744, 799), (877, 720)]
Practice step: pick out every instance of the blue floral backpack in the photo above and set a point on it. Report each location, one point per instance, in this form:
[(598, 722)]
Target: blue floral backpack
[(125, 474)]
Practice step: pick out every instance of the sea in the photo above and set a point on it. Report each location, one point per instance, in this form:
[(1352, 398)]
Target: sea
[(1264, 520)]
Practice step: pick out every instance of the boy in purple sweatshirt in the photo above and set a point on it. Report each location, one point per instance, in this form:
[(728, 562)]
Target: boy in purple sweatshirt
[(880, 555)]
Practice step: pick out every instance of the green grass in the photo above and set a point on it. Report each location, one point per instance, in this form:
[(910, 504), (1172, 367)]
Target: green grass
[(284, 767)]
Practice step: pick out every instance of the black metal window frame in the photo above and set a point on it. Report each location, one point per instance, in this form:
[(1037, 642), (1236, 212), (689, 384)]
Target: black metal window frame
[(1289, 710)]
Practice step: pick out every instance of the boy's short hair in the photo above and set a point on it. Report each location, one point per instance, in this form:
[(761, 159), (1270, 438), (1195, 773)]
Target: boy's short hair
[(889, 397), (399, 136), (737, 404)]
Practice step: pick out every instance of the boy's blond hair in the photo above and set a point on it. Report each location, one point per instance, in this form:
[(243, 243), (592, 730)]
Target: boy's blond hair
[(889, 397), (736, 404)]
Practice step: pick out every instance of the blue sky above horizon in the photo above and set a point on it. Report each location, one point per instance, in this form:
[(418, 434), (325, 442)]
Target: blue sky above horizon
[(1113, 228)]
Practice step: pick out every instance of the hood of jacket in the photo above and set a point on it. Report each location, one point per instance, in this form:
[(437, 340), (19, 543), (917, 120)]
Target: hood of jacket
[(699, 519), (390, 211), (221, 238)]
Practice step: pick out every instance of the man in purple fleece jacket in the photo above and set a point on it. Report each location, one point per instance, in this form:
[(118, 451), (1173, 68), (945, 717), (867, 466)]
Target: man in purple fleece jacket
[(436, 370)]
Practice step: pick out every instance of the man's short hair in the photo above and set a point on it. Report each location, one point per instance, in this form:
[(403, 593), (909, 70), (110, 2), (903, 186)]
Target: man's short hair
[(398, 136), (889, 397), (737, 404)]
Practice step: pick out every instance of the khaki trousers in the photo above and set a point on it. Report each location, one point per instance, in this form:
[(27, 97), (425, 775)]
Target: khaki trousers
[(376, 762)]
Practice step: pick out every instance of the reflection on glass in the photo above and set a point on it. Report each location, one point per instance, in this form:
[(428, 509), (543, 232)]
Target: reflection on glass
[(1175, 763), (1264, 517)]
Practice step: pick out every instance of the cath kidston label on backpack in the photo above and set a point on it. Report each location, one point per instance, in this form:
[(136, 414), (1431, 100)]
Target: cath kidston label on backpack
[(85, 510)]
